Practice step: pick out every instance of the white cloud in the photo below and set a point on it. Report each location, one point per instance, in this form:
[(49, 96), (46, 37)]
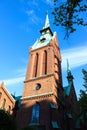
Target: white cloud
[(33, 18), (76, 56), (13, 81), (20, 72), (34, 3), (29, 12), (49, 2)]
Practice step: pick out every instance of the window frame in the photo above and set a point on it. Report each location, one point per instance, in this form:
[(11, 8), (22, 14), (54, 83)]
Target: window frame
[(35, 113)]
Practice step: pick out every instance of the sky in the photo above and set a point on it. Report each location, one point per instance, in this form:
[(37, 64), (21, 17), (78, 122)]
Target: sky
[(20, 23)]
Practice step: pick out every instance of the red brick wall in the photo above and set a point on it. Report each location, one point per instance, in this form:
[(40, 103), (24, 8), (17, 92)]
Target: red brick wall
[(9, 101), (48, 82), (46, 115)]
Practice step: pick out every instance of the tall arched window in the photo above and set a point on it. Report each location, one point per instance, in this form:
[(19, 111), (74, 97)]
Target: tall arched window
[(35, 113), (44, 69), (0, 94), (3, 103), (8, 109), (35, 66)]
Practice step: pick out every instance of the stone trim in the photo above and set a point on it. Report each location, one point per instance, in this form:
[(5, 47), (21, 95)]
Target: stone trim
[(38, 95), (40, 77)]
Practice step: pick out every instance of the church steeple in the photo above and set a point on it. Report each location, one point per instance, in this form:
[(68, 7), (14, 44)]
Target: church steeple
[(46, 27), (47, 23), (46, 35), (68, 69), (69, 74)]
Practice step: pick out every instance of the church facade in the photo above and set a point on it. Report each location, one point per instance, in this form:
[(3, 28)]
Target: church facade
[(45, 103)]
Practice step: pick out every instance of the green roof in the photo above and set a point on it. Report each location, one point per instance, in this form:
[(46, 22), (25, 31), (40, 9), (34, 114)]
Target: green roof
[(69, 115), (18, 98), (46, 35), (52, 105), (44, 40), (55, 124), (67, 89)]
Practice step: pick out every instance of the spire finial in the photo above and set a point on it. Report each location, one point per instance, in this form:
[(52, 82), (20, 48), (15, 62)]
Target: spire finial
[(69, 74), (47, 23), (68, 68)]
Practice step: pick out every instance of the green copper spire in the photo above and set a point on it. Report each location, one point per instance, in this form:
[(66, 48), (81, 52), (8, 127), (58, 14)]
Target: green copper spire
[(69, 74), (47, 23), (68, 67), (46, 35)]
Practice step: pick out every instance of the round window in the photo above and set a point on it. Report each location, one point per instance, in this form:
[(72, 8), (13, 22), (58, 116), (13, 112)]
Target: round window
[(38, 86)]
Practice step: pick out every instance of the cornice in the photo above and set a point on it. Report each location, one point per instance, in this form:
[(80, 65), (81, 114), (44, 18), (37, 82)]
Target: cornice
[(38, 95), (40, 77)]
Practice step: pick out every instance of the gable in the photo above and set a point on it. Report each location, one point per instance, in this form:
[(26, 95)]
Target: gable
[(4, 91)]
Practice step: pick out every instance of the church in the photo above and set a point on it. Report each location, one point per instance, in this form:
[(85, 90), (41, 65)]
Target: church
[(45, 103)]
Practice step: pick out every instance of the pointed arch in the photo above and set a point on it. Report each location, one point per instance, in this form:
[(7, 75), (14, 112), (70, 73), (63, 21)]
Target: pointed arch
[(44, 68)]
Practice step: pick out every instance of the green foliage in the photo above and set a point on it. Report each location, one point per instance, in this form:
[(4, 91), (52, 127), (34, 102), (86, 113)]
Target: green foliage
[(82, 103), (85, 78), (83, 94), (68, 14), (6, 121)]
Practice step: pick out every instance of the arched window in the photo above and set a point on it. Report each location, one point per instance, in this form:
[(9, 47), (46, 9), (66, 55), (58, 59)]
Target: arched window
[(35, 113), (0, 94), (35, 66), (44, 69), (8, 109), (3, 103)]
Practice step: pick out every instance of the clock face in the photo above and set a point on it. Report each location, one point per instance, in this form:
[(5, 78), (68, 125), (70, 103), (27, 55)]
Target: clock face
[(38, 86)]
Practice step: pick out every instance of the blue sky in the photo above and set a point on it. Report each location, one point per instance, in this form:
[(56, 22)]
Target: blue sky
[(20, 23)]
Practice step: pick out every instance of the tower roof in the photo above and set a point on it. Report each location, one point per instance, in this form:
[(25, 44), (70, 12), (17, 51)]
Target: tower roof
[(46, 35), (47, 23)]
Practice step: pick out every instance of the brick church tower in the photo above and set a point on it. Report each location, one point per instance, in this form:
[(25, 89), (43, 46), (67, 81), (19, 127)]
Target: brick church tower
[(43, 83)]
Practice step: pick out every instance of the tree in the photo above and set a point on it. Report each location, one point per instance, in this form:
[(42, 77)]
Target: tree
[(83, 93), (68, 14), (85, 79), (82, 103), (6, 121)]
